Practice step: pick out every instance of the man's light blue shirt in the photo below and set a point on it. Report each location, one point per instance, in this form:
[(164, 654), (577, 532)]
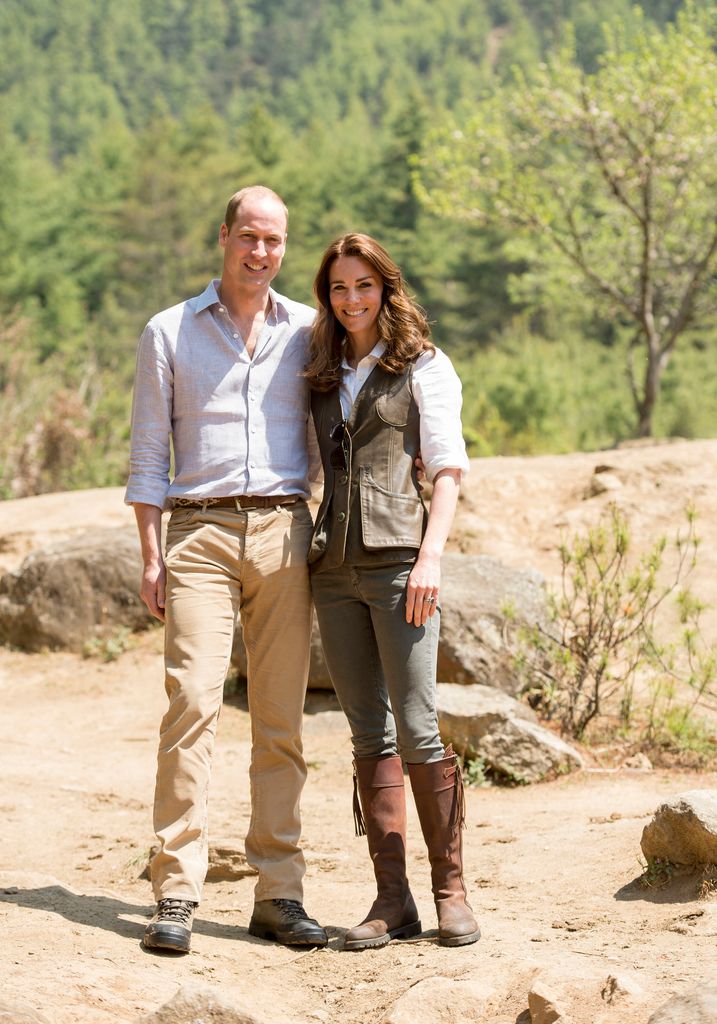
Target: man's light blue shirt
[(237, 425)]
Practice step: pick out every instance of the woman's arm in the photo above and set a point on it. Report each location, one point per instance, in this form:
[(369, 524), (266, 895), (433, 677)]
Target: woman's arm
[(425, 578)]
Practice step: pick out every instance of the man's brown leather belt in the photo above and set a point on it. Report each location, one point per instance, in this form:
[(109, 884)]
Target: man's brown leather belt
[(242, 501)]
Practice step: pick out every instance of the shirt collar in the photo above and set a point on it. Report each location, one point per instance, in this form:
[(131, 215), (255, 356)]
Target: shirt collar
[(373, 356), (210, 297)]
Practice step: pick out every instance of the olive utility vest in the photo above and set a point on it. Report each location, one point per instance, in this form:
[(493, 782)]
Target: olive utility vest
[(372, 512)]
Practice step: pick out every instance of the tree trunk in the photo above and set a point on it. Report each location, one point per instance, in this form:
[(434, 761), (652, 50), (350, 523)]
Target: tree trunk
[(645, 403)]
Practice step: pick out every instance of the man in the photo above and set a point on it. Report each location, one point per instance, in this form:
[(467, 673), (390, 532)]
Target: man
[(220, 374)]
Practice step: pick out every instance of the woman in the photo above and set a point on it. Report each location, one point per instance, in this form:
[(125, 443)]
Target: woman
[(381, 394)]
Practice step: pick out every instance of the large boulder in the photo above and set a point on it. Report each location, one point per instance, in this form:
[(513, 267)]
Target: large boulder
[(68, 594), (477, 592), (485, 724), (474, 646), (698, 1006), (683, 830), (87, 587)]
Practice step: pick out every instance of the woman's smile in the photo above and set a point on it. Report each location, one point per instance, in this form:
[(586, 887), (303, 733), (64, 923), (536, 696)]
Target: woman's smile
[(356, 296)]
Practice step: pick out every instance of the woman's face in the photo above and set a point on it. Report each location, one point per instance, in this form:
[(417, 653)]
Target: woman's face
[(356, 296)]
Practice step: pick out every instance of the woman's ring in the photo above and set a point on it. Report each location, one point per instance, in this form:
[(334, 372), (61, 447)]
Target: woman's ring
[(431, 599)]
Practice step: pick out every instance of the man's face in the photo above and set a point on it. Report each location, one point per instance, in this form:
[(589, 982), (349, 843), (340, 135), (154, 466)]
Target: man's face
[(255, 245)]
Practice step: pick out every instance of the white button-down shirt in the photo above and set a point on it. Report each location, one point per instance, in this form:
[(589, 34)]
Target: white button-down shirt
[(437, 391), (238, 425)]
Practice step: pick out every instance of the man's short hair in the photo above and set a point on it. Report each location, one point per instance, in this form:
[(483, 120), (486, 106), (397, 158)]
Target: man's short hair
[(251, 192)]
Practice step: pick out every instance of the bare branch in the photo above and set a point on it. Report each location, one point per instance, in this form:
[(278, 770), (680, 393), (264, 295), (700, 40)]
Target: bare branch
[(601, 160), (682, 318), (577, 256)]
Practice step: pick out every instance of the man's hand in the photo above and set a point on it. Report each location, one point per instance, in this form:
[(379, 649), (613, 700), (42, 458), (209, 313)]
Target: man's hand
[(151, 591), (154, 576), (420, 471)]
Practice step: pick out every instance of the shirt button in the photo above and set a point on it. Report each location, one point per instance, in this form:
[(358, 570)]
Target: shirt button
[(344, 479), (235, 335), (221, 309), (341, 516)]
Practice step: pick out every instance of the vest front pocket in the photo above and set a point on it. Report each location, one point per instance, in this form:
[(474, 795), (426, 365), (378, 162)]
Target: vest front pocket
[(388, 519)]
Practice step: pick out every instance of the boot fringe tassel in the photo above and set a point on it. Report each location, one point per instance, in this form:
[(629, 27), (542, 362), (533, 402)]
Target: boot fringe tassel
[(359, 824), (458, 811)]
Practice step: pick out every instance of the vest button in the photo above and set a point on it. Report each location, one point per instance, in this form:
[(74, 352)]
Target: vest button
[(343, 479), (341, 516)]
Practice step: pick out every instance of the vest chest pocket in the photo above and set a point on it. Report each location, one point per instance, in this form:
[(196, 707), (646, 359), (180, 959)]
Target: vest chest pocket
[(393, 406), (389, 520)]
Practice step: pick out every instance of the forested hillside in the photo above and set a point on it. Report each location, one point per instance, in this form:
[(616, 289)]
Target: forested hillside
[(125, 127)]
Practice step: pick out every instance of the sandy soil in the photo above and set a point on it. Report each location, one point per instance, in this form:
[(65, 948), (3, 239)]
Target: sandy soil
[(552, 869)]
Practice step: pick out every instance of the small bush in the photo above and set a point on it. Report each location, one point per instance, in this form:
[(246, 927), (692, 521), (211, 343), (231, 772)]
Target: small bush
[(603, 640), (108, 648)]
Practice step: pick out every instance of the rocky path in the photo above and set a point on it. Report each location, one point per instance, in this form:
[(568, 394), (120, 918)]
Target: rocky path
[(551, 870)]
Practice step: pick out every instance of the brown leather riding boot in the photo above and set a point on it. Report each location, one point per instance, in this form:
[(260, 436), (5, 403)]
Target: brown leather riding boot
[(438, 792), (383, 799)]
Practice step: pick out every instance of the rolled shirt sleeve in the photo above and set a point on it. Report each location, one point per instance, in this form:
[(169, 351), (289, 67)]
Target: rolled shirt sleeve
[(438, 393), (151, 421)]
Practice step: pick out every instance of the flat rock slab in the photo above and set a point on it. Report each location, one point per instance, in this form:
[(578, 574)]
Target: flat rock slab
[(545, 1005), (440, 1001), (620, 987), (461, 701), (14, 1014), (195, 1004), (698, 1006), (486, 724), (684, 829)]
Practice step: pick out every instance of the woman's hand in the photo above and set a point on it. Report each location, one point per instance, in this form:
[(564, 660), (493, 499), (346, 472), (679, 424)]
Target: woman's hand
[(424, 585)]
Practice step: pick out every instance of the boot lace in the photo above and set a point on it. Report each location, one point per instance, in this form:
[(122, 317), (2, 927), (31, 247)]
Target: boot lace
[(175, 910), (291, 909)]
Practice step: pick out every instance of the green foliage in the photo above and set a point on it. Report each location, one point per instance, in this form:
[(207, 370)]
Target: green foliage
[(604, 640), (108, 648), (673, 726), (656, 873), (124, 129), (610, 176), (474, 772), (526, 394)]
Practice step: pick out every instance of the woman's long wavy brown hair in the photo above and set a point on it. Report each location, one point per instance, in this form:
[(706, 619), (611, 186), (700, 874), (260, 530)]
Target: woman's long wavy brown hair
[(402, 324)]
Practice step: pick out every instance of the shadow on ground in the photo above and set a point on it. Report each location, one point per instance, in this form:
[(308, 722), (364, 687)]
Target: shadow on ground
[(96, 911), (680, 885)]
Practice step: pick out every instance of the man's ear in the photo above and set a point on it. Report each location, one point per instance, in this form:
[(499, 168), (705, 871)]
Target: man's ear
[(223, 233)]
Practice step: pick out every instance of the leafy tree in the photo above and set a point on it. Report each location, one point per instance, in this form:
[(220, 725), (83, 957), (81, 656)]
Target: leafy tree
[(613, 177)]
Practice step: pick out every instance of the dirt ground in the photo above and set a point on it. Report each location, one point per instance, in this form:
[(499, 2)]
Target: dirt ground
[(552, 869)]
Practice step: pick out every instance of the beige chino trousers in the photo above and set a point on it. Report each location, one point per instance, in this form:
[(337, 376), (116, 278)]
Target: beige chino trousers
[(221, 562)]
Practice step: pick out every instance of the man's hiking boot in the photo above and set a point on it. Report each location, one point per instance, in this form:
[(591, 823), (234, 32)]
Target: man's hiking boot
[(287, 922), (171, 926)]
